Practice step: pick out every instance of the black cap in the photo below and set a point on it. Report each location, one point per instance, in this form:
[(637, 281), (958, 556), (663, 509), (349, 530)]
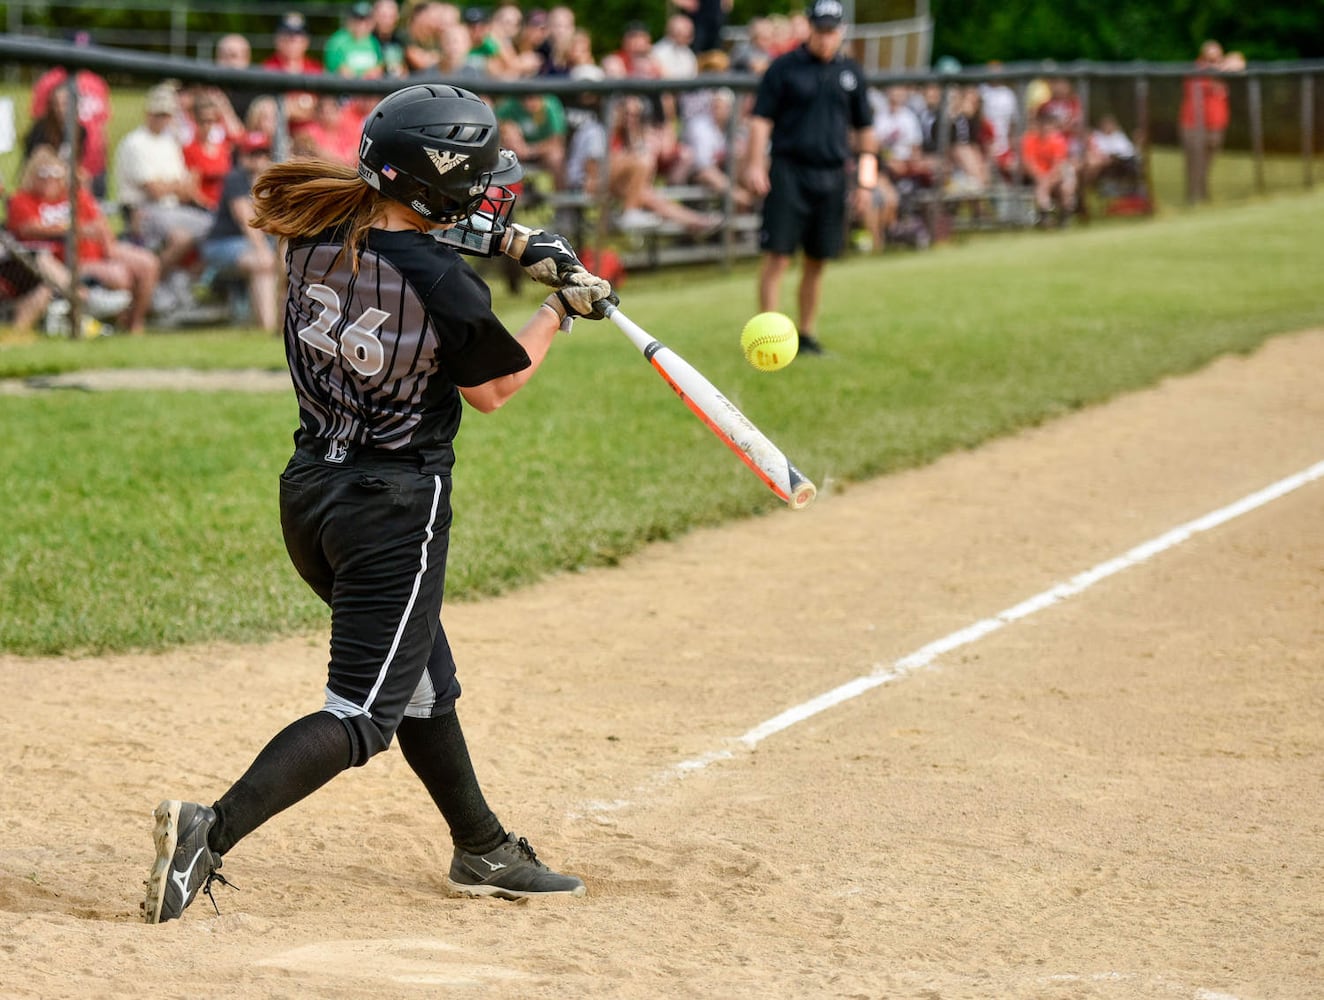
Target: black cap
[(292, 24), (825, 14)]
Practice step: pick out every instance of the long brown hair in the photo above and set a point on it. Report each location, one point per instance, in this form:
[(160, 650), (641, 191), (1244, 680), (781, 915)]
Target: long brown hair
[(303, 197)]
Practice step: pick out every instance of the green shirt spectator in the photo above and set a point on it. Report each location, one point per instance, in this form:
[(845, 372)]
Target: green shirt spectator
[(354, 50), (538, 116)]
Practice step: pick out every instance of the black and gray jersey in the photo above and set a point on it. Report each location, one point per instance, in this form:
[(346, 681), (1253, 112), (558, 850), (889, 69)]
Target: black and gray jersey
[(377, 355)]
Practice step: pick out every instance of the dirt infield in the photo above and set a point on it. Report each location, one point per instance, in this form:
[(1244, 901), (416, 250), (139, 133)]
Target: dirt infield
[(1118, 796)]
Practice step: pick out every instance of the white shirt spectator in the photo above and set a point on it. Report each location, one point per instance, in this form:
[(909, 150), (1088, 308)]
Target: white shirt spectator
[(144, 156), (898, 130), (672, 53), (1114, 143), (999, 108)]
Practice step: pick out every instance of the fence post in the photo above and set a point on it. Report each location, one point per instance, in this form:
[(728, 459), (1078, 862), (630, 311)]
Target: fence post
[(71, 125), (1255, 108), (1308, 128), (1143, 141)]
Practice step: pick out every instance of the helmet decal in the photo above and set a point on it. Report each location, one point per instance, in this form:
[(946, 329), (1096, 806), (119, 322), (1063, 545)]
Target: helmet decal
[(445, 160)]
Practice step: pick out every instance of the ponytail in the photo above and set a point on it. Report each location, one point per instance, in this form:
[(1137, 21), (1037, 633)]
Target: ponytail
[(303, 197)]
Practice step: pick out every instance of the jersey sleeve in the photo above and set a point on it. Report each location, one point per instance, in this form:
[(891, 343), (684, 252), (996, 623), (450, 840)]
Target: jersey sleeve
[(473, 345)]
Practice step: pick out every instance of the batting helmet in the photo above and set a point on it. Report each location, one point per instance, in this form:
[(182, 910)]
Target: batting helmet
[(437, 150)]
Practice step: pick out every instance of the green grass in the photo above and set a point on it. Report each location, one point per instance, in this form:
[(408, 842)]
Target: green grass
[(147, 519)]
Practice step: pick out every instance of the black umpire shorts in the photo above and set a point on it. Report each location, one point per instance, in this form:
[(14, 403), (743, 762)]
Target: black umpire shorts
[(805, 207), (370, 538)]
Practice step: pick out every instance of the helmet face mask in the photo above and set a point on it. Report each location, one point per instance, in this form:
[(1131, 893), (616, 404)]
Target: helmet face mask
[(435, 149)]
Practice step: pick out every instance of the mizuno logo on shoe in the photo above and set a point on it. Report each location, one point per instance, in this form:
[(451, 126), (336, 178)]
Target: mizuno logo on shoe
[(181, 879), (495, 866)]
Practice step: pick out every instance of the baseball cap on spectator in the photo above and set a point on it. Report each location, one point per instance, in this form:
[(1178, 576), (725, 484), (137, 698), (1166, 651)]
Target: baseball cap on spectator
[(537, 17), (161, 100), (825, 14), (634, 27), (292, 24), (475, 15), (361, 10)]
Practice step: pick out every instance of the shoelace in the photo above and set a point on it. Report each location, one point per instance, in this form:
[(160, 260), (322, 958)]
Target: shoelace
[(216, 876), (527, 851)]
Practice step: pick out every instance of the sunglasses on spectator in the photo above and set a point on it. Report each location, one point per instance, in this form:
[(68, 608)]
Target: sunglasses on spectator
[(50, 173)]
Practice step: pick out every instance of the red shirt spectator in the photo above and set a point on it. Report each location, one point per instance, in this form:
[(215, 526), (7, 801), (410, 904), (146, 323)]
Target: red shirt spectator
[(291, 56), (39, 219), (1043, 151)]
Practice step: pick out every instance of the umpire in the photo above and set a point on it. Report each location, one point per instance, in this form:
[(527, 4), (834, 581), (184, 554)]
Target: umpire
[(810, 110)]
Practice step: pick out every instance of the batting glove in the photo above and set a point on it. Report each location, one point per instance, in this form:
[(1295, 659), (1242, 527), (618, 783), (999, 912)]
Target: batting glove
[(584, 295), (547, 258)]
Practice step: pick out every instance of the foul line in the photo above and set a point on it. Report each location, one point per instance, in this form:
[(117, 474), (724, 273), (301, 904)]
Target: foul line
[(925, 656)]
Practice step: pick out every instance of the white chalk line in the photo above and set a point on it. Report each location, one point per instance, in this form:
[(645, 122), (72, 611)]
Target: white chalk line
[(924, 657)]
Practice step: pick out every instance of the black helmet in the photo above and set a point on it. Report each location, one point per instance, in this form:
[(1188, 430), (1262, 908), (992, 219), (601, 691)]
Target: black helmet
[(437, 150)]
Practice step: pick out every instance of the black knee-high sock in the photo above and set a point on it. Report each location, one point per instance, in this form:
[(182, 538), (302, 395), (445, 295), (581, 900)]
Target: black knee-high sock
[(300, 759), (436, 751)]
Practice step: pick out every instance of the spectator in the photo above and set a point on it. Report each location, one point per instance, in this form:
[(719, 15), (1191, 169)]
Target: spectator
[(580, 63), (707, 18), (158, 192), (353, 51), (1065, 106), (234, 52), (754, 52), (233, 245), (210, 155), (93, 113), (965, 147), (531, 42), (40, 216), (672, 53), (533, 127), (900, 139), (291, 56), (1046, 159), (1204, 116), (554, 52), (635, 56), (458, 61), (334, 133), (391, 37), (494, 40), (50, 130), (810, 110), (1110, 154), (633, 161), (928, 108), (705, 116), (428, 23), (1001, 112), (635, 60)]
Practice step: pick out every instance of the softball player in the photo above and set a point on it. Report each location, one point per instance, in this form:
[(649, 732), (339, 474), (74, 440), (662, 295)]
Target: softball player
[(387, 330)]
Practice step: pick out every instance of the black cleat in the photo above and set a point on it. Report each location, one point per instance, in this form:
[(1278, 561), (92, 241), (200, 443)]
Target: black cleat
[(184, 862), (809, 344), (511, 871)]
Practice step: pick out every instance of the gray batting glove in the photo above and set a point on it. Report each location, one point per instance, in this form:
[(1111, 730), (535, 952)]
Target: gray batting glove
[(584, 295), (547, 258)]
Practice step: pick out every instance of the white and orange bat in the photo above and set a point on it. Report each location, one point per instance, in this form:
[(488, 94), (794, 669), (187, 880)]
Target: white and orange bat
[(721, 416)]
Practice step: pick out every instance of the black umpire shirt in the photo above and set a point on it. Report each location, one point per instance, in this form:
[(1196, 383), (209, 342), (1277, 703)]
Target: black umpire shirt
[(813, 107)]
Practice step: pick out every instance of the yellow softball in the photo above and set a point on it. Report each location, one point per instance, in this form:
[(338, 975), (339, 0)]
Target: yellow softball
[(769, 341)]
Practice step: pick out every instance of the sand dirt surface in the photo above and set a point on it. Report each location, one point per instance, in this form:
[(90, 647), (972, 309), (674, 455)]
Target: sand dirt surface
[(1120, 795)]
